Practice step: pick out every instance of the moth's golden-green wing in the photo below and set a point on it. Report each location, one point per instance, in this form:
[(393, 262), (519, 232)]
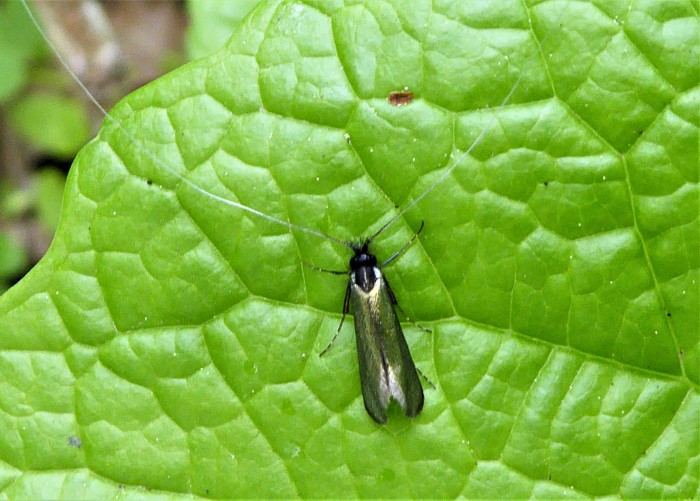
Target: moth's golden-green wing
[(386, 367)]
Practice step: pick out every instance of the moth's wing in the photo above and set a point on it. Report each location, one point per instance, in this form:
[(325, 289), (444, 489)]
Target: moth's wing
[(386, 367), (375, 391), (399, 357)]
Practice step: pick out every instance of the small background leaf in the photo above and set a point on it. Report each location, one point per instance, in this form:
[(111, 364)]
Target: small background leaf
[(19, 43), (54, 124), (211, 24), (175, 338), (12, 259), (49, 184)]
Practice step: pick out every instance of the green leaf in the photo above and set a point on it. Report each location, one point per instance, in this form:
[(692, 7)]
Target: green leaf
[(19, 43), (176, 338), (48, 193), (211, 23), (13, 258), (51, 123)]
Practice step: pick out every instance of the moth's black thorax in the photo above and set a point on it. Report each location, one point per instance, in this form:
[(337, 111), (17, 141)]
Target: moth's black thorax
[(362, 265)]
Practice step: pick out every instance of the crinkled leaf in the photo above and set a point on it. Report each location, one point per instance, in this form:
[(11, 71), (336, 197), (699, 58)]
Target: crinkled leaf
[(170, 341)]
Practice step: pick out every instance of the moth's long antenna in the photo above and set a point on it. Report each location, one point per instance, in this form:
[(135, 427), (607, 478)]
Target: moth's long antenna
[(476, 141), (182, 178)]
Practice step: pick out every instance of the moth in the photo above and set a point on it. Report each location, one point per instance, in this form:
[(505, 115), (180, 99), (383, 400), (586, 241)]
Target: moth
[(386, 367), (387, 370)]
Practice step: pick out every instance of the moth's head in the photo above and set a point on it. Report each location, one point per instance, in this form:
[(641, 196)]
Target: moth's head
[(362, 257)]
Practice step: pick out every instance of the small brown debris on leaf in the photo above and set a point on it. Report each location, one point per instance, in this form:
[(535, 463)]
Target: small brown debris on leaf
[(400, 97)]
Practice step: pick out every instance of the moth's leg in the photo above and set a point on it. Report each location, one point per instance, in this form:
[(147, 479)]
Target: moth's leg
[(346, 309), (420, 373), (405, 246), (316, 268), (392, 297)]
